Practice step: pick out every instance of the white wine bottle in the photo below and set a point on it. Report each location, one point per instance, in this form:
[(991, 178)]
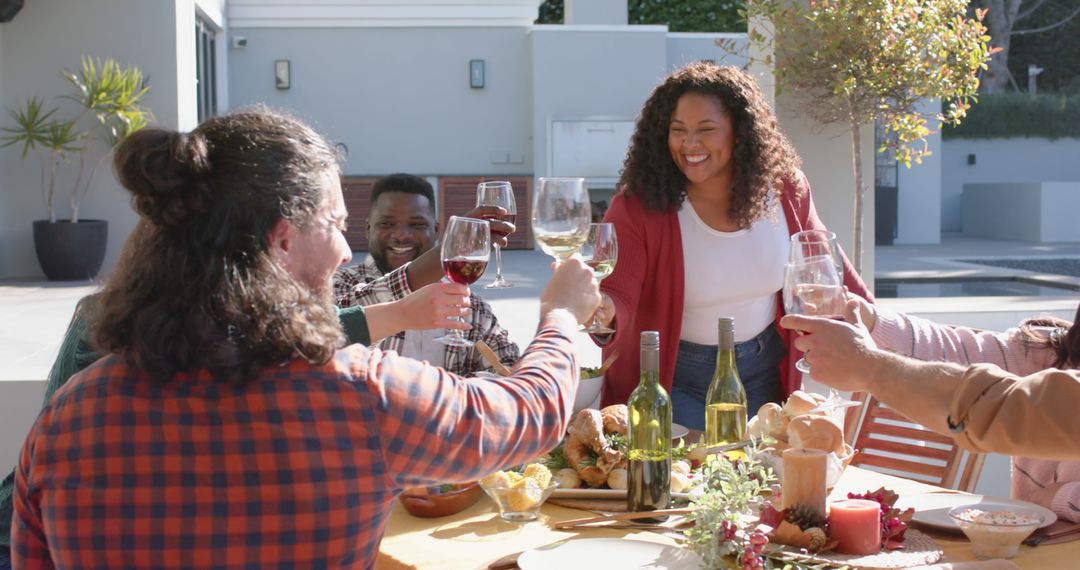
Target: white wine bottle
[(725, 402), (649, 477)]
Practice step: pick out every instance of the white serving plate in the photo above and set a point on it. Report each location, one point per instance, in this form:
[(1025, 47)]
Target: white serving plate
[(609, 553), (612, 494)]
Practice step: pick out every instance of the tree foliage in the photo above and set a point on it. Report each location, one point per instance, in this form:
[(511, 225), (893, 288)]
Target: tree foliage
[(857, 61), (1027, 23), (677, 15), (1056, 50)]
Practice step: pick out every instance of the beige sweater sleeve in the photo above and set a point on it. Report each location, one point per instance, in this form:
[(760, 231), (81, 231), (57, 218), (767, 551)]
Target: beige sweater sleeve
[(1034, 416)]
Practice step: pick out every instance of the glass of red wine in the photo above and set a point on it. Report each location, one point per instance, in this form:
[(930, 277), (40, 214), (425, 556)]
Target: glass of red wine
[(499, 194), (812, 287), (464, 255), (600, 251)]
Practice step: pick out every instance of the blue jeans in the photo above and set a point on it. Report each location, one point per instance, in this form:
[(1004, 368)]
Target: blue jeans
[(5, 558), (758, 360)]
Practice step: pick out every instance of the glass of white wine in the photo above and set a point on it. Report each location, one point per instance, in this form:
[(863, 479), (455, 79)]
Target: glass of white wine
[(814, 243), (812, 287), (600, 251), (561, 215)]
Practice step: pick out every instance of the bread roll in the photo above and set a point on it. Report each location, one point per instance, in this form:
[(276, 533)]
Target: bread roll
[(799, 403), (773, 421), (816, 432)]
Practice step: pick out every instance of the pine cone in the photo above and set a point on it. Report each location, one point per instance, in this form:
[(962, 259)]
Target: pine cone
[(817, 538), (805, 517)]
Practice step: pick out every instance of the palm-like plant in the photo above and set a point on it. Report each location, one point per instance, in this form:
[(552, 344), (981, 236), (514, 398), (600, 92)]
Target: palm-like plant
[(109, 99)]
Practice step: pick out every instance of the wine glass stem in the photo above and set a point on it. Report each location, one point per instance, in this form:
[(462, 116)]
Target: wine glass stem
[(498, 263)]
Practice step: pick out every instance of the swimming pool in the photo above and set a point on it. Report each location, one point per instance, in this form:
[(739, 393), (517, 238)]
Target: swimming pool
[(968, 287)]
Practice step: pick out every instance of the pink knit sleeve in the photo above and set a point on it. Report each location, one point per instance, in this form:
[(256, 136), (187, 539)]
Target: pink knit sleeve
[(927, 340), (1066, 504)]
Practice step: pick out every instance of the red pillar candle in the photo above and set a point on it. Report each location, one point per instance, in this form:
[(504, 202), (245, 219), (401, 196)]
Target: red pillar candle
[(856, 526)]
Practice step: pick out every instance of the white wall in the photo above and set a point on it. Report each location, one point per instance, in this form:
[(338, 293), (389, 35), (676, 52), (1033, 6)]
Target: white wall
[(578, 12), (826, 156), (399, 98), (50, 35), (589, 71), (684, 48), (1002, 160), (919, 194)]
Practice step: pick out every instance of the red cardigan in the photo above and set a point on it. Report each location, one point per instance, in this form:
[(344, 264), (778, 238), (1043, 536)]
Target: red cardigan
[(647, 288)]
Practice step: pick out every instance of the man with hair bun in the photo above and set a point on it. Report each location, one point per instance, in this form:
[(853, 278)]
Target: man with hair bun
[(226, 425)]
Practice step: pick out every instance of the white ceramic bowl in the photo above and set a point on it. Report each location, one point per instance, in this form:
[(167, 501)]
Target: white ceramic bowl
[(995, 531), (588, 393)]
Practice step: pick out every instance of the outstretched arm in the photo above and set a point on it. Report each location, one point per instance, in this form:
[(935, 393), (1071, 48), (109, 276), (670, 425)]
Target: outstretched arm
[(984, 407)]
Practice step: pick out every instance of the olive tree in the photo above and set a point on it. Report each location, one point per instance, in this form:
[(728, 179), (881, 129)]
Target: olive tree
[(857, 61)]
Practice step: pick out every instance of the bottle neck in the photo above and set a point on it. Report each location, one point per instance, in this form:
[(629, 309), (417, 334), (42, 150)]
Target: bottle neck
[(725, 358), (725, 350), (650, 365)]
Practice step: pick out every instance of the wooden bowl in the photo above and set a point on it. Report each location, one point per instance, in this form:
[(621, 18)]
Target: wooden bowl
[(420, 502)]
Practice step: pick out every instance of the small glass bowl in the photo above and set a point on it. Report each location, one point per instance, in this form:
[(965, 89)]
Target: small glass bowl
[(995, 530), (520, 504)]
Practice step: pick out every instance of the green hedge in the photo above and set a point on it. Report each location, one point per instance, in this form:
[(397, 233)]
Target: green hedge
[(1006, 115), (677, 15)]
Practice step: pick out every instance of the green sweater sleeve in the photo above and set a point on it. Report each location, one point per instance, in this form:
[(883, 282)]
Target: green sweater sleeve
[(75, 354), (355, 324)]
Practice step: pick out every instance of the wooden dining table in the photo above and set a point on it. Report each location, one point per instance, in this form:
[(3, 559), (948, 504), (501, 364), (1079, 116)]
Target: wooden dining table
[(476, 537)]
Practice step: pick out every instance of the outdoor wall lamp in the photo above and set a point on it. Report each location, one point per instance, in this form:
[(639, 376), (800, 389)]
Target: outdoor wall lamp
[(476, 73), (281, 74)]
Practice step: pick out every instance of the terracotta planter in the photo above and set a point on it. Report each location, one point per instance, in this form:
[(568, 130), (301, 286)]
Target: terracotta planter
[(70, 251)]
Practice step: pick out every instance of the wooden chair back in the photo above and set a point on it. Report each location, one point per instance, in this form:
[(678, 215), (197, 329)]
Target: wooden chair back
[(889, 442)]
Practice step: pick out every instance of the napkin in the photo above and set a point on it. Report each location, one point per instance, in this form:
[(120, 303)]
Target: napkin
[(995, 564), (1060, 531)]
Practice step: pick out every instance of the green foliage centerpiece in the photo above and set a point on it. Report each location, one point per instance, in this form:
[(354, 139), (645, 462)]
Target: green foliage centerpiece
[(725, 511)]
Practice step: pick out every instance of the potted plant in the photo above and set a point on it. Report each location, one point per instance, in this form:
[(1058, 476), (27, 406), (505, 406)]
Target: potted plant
[(108, 110)]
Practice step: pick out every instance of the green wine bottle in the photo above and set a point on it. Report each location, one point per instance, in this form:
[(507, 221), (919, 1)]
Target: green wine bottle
[(649, 445), (725, 403)]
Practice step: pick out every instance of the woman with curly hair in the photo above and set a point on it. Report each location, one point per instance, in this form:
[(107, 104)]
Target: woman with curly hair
[(700, 238)]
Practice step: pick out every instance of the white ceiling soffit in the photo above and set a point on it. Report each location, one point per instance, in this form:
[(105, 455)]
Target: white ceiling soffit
[(380, 13)]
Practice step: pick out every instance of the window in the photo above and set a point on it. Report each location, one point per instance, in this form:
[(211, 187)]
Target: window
[(206, 68)]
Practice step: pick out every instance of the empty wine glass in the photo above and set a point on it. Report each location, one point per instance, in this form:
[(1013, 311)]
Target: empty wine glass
[(600, 251), (812, 243), (464, 255), (812, 287), (499, 194), (561, 215)]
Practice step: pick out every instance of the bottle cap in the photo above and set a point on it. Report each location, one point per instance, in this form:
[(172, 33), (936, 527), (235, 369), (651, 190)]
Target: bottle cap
[(726, 327), (650, 339)]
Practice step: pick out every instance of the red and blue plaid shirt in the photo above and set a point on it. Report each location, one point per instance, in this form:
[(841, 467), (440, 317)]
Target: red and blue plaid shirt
[(297, 469), (365, 284)]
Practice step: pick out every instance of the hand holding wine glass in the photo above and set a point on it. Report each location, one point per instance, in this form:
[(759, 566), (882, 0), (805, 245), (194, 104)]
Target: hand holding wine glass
[(561, 215), (812, 287), (501, 195), (600, 252), (571, 288), (464, 252)]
